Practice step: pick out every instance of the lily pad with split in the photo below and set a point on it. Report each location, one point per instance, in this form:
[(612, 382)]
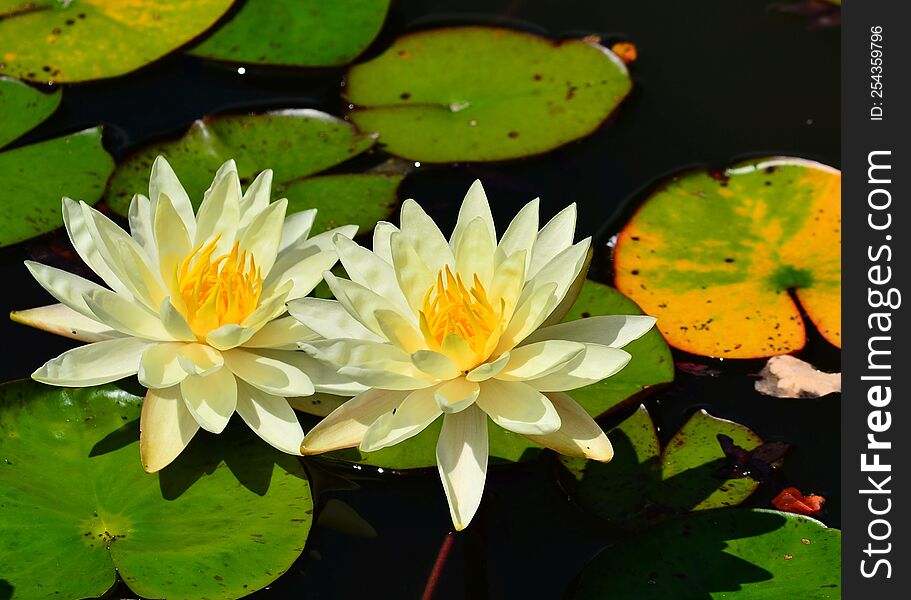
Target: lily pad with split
[(758, 554), (298, 145), (22, 108), (80, 40), (226, 518), (299, 33), (484, 93), (724, 260)]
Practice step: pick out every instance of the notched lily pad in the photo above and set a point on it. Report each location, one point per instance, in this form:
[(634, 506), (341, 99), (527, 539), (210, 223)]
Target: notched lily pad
[(484, 94), (296, 144), (300, 33), (715, 257), (651, 364), (759, 554), (79, 40), (22, 108), (36, 177), (78, 509)]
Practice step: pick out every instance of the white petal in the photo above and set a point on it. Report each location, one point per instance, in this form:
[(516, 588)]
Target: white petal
[(263, 235), (164, 180), (520, 235), (489, 369), (269, 308), (474, 205), (166, 427), (281, 334), (615, 331), (562, 270), (66, 287), (508, 281), (554, 238), (94, 364), (199, 359), (578, 435), (329, 319), (527, 316), (474, 253), (63, 320), (412, 416), (456, 395), (572, 294), (173, 242), (369, 270), (372, 364), (593, 365), (424, 236), (361, 303), (412, 274), (211, 399), (271, 417), (272, 371), (140, 218), (219, 213), (128, 317), (256, 198), (518, 407), (540, 359), (175, 323), (345, 426), (81, 238), (399, 331), (304, 275), (435, 364), (296, 229), (462, 462), (160, 367), (382, 235), (229, 336)]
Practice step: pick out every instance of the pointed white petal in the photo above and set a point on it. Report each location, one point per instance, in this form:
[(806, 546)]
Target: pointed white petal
[(474, 253), (199, 359), (382, 235), (462, 461), (63, 320), (456, 395), (256, 198), (369, 270), (489, 369), (219, 213), (128, 317), (165, 428), (527, 316), (572, 294), (281, 334), (304, 275), (435, 364), (554, 238), (474, 205), (593, 365), (615, 331), (66, 287), (210, 398), (81, 238), (262, 236), (271, 417), (424, 236), (412, 274), (228, 336), (520, 235), (94, 364), (273, 371), (164, 181), (361, 303), (296, 229), (540, 359), (173, 242), (140, 218), (518, 407), (418, 410), (329, 319), (399, 331), (578, 435), (345, 426), (372, 364), (175, 323), (160, 367)]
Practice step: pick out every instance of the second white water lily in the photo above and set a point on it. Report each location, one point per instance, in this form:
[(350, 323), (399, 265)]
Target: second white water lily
[(195, 305), (467, 328)]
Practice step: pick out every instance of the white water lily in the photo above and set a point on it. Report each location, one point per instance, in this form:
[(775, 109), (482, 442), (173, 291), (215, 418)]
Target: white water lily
[(469, 329), (195, 306)]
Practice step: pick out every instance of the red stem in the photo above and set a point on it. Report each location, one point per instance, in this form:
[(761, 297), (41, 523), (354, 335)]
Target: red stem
[(438, 567)]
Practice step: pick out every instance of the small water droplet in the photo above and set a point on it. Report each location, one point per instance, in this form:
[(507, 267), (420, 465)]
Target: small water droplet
[(417, 164), (241, 70)]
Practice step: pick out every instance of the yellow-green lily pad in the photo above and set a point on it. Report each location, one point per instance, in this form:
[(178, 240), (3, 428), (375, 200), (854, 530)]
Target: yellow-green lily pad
[(484, 93), (36, 177), (716, 257), (81, 40), (651, 365), (226, 518), (298, 145), (299, 33), (756, 554), (23, 107)]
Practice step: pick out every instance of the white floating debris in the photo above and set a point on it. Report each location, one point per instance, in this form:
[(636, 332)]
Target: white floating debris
[(789, 377)]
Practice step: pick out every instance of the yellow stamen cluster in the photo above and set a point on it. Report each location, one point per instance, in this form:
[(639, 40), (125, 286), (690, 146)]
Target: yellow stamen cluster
[(451, 308), (220, 290)]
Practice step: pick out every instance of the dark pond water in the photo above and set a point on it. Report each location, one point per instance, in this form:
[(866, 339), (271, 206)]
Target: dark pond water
[(715, 81)]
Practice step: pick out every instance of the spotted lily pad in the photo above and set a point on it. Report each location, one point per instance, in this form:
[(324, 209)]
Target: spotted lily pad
[(36, 177), (685, 476), (300, 33), (484, 94), (296, 144), (78, 509), (757, 554), (22, 107), (80, 40), (651, 365), (716, 257)]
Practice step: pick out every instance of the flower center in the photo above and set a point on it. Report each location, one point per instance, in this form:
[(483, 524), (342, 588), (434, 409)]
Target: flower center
[(451, 308), (220, 290)]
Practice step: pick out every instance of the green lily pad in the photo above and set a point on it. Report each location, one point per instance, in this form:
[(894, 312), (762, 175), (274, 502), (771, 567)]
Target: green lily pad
[(23, 107), (681, 478), (296, 144), (36, 177), (300, 33), (690, 460), (484, 94), (78, 508), (757, 554), (651, 364), (713, 256), (79, 40), (617, 491)]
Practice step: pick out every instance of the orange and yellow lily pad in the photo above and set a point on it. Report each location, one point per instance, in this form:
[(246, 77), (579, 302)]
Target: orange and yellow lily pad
[(723, 260)]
